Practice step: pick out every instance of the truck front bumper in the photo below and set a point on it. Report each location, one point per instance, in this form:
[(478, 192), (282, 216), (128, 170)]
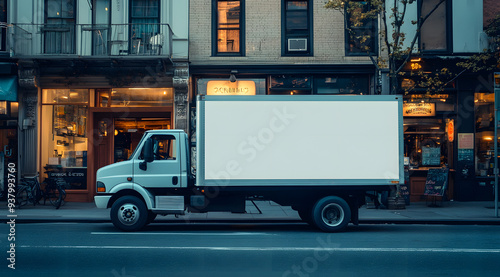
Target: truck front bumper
[(101, 201)]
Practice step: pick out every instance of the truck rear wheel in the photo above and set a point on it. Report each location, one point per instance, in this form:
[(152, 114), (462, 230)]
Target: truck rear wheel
[(129, 213), (331, 214)]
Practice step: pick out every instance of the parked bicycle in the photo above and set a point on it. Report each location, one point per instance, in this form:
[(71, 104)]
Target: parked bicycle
[(30, 190)]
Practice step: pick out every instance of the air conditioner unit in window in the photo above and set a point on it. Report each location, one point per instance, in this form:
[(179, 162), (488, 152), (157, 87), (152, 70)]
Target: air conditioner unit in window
[(297, 44)]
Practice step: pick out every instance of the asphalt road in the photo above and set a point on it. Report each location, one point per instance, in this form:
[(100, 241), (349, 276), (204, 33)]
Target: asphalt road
[(83, 249)]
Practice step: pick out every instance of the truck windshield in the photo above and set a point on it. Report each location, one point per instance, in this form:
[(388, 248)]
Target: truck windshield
[(135, 150)]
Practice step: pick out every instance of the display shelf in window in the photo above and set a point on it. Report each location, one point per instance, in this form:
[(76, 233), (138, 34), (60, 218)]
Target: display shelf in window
[(70, 120)]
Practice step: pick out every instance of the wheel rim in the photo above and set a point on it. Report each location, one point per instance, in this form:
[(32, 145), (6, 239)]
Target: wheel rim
[(128, 214), (332, 215)]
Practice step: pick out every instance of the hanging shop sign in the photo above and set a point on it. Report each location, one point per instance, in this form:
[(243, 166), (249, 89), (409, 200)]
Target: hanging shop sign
[(450, 130), (231, 88), (419, 109)]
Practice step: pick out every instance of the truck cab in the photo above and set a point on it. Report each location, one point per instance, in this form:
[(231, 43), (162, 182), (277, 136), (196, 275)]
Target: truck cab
[(159, 163)]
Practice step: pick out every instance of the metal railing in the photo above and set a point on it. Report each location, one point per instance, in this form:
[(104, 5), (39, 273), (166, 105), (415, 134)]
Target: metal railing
[(134, 39)]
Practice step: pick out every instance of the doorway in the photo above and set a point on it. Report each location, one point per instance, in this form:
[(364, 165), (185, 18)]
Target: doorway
[(129, 131), (116, 132)]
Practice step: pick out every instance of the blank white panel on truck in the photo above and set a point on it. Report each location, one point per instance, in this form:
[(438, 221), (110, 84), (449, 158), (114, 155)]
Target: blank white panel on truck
[(296, 140)]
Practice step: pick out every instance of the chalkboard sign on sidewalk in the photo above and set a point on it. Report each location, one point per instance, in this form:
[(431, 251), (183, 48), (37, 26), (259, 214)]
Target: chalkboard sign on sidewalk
[(437, 181)]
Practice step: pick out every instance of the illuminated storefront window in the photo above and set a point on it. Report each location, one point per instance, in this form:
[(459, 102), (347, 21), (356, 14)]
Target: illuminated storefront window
[(135, 97), (64, 135), (484, 139)]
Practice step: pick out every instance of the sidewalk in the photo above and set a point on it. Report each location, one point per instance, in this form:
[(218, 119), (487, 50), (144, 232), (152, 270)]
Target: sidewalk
[(452, 212)]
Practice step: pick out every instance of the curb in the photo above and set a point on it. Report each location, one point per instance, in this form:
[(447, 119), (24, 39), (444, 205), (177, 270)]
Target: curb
[(267, 221)]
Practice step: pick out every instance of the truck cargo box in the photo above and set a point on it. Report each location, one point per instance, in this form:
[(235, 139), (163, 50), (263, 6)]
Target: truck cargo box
[(293, 140)]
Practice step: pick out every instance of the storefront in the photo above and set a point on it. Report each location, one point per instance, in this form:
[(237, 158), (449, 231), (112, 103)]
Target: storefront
[(82, 130), (9, 114), (429, 134), (451, 128)]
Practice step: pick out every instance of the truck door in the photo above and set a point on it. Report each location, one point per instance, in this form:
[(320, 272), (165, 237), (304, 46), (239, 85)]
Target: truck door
[(164, 170)]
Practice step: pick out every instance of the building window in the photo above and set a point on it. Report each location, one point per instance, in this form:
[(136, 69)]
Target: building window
[(59, 28), (64, 136), (144, 25), (228, 28), (296, 28), (3, 30), (434, 34), (360, 33), (101, 10)]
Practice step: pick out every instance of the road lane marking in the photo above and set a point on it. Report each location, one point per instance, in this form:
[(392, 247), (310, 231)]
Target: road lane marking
[(217, 248), (185, 234)]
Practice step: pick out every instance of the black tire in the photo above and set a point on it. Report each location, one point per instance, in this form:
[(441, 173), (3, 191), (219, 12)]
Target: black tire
[(22, 196), (54, 193), (151, 217), (331, 214), (37, 193), (129, 213), (44, 189)]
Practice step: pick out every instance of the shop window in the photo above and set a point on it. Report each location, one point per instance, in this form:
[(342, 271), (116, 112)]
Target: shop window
[(135, 97), (228, 27), (425, 142), (290, 84), (64, 137), (360, 33), (296, 28), (484, 139), (341, 85), (434, 32)]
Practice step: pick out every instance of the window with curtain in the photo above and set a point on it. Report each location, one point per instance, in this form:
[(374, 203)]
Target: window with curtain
[(144, 24), (228, 27), (59, 28)]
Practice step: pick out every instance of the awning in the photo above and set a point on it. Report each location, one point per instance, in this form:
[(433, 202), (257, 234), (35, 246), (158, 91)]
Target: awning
[(8, 88)]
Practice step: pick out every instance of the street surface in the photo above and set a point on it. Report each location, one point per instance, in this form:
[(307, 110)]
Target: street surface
[(209, 249)]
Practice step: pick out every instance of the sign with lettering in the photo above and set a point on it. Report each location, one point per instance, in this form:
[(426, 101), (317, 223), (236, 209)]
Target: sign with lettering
[(431, 156), (466, 141), (436, 182), (419, 109), (231, 88)]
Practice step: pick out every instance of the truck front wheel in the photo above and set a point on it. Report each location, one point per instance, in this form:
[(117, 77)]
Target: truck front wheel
[(331, 214), (129, 213)]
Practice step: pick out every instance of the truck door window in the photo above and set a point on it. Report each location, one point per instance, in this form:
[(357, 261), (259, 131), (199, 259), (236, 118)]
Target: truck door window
[(164, 148)]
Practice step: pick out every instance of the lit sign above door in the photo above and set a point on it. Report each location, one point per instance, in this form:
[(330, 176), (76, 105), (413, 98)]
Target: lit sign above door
[(419, 109), (231, 88)]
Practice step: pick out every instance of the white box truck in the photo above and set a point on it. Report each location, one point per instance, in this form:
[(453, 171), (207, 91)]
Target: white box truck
[(317, 154)]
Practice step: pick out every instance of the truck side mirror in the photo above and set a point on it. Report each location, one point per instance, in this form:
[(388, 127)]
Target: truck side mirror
[(148, 150)]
